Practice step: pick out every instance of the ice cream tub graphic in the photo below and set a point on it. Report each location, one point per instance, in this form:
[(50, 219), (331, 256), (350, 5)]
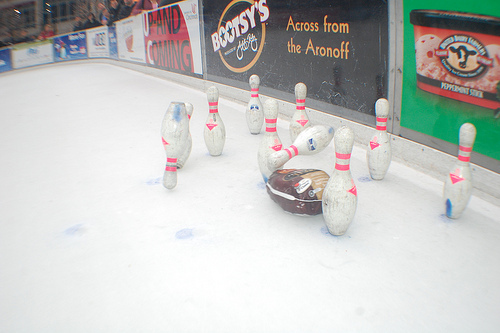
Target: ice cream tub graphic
[(458, 55), (129, 39)]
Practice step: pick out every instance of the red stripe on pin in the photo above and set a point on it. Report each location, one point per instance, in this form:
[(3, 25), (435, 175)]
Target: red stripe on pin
[(255, 89), (342, 167), (271, 121), (171, 160), (463, 158), (465, 149), (300, 100), (213, 111), (381, 120), (270, 129), (301, 107), (343, 156), (255, 95), (292, 151), (381, 128), (171, 169), (213, 103)]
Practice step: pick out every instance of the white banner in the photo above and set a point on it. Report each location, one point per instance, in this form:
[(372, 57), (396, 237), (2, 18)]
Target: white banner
[(32, 54), (130, 37), (98, 42)]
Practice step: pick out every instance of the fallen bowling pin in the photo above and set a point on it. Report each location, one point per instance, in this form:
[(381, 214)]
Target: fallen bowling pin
[(215, 131), (300, 120), (189, 143), (458, 185), (379, 152), (174, 132), (254, 113), (271, 142), (310, 141), (340, 196)]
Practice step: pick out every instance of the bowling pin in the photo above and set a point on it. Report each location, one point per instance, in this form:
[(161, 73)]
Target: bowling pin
[(300, 120), (271, 142), (458, 184), (174, 132), (215, 131), (340, 196), (310, 141), (379, 152), (254, 113), (189, 142)]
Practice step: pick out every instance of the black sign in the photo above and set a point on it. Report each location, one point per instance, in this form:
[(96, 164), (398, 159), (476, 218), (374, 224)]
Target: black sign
[(339, 49)]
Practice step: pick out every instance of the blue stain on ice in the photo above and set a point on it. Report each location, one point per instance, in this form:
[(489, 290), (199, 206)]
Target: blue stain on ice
[(75, 230), (184, 233), (364, 179), (154, 181), (261, 185), (324, 231), (445, 218)]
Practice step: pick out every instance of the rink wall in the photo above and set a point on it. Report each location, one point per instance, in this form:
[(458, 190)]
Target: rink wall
[(348, 53)]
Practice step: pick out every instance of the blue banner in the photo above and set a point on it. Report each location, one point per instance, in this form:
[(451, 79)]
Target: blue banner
[(113, 43), (5, 60), (70, 47)]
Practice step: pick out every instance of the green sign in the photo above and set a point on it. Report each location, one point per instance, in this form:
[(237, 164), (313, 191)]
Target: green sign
[(451, 70)]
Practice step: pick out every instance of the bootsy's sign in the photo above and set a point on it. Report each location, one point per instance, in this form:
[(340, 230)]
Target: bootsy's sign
[(241, 34)]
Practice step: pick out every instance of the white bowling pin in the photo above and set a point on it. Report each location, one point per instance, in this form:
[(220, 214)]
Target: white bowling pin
[(340, 196), (379, 152), (300, 120), (174, 132), (189, 142), (215, 131), (271, 142), (254, 113), (458, 185), (310, 141)]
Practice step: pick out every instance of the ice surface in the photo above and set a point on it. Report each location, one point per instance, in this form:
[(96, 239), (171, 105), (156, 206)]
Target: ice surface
[(90, 241)]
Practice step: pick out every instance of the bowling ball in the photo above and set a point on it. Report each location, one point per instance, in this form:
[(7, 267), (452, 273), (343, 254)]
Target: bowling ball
[(298, 191)]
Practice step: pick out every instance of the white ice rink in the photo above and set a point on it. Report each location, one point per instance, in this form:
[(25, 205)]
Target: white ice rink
[(90, 241)]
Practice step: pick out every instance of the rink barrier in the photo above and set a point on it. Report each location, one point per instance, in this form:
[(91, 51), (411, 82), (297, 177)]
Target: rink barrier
[(422, 158)]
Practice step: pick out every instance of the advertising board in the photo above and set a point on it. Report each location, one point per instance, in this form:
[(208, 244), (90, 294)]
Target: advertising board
[(172, 37), (130, 38), (98, 42), (451, 72), (338, 49), (32, 54), (5, 61), (70, 47), (113, 43)]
